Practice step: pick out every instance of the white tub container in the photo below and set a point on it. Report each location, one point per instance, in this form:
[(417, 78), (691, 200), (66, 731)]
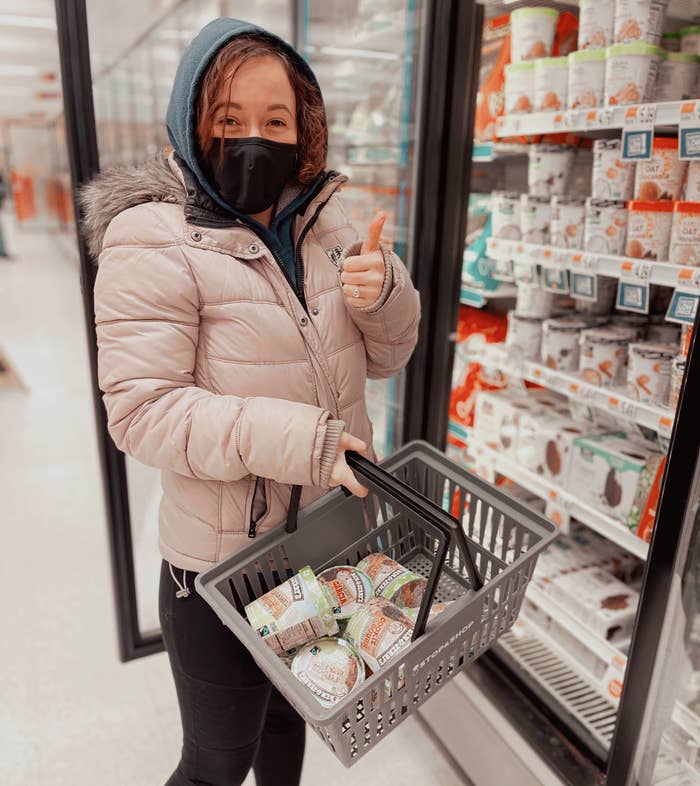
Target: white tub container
[(690, 39), (505, 215), (524, 336), (605, 229), (551, 83), (533, 302), (532, 32), (519, 88), (684, 248), (548, 170), (603, 357), (586, 78), (568, 218), (662, 176), (630, 72), (678, 77), (561, 343), (535, 219), (649, 230), (596, 22), (691, 187), (649, 372), (613, 178), (639, 20)]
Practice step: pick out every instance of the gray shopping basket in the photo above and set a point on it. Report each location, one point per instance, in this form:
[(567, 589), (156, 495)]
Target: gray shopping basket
[(483, 565)]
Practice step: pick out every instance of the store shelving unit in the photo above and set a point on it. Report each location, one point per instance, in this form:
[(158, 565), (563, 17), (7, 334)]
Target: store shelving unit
[(613, 401), (577, 261), (585, 121), (598, 521), (471, 296)]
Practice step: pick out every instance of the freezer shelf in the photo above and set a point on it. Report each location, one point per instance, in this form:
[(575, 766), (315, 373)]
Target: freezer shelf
[(599, 522), (562, 682), (583, 120), (611, 400), (576, 261)]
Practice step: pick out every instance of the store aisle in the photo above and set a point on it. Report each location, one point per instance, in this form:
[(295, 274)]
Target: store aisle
[(71, 714)]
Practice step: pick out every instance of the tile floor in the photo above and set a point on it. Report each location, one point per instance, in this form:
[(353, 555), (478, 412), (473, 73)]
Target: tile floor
[(70, 713)]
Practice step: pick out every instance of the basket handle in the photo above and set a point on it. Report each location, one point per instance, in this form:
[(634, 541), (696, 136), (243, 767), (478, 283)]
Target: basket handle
[(420, 505)]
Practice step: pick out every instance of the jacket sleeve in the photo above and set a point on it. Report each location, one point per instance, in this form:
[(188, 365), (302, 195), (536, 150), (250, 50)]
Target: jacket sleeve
[(147, 319), (389, 326)]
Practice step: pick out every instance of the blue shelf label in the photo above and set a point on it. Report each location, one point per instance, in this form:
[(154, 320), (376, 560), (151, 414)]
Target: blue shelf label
[(689, 132), (637, 144), (584, 286), (633, 297), (555, 279), (683, 308)]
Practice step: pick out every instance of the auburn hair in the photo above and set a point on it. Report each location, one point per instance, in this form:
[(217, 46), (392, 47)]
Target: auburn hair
[(312, 133)]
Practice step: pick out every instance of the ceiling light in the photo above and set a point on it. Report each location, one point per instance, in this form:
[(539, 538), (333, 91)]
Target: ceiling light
[(11, 20)]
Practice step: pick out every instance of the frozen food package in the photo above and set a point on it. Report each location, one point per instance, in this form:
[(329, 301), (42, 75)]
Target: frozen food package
[(613, 178), (330, 668), (392, 580), (631, 71), (649, 230), (532, 32), (379, 630), (663, 175), (639, 20)]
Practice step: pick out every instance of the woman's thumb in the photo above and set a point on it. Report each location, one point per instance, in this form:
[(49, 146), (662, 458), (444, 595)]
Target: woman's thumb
[(374, 234)]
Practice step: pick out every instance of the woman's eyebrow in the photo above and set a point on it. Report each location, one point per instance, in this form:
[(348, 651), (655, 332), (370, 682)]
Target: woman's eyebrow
[(279, 106), (234, 105)]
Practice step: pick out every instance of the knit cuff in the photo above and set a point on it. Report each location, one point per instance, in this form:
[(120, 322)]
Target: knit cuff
[(334, 428)]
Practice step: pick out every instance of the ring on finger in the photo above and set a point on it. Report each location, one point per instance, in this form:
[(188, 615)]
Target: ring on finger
[(356, 292)]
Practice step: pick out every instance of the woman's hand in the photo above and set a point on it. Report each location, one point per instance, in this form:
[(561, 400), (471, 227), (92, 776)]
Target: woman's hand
[(363, 275), (341, 474)]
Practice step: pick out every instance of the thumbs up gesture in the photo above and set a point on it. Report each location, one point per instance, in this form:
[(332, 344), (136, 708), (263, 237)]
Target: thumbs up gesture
[(363, 275)]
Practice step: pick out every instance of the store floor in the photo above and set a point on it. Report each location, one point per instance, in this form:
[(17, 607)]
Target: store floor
[(71, 714)]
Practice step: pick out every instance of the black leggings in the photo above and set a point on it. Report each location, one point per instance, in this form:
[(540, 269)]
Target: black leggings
[(232, 717)]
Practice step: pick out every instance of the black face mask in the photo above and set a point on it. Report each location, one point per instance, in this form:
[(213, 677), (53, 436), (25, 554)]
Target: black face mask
[(252, 172)]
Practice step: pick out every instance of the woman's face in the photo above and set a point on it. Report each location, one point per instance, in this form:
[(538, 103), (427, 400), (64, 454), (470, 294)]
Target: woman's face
[(260, 102)]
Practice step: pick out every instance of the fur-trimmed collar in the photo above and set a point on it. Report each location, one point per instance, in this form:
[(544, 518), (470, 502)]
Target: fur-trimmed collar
[(120, 188)]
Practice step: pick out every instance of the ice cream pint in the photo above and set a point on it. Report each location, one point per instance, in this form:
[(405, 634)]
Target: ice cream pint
[(630, 72), (330, 668), (532, 32), (548, 170), (292, 614), (690, 39), (662, 176), (649, 372), (678, 77), (348, 587), (603, 357), (551, 83), (677, 374), (505, 215), (533, 301), (379, 631), (586, 78), (606, 226), (649, 230), (691, 189), (613, 178), (671, 42), (524, 336), (639, 20), (595, 23), (560, 343), (568, 218), (392, 580), (436, 609), (535, 218), (519, 88), (684, 248)]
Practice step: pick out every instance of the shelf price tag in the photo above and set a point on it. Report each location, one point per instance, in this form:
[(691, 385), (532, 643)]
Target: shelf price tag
[(633, 289), (554, 277), (625, 406), (525, 271), (638, 132), (684, 307), (584, 283), (689, 131), (502, 269)]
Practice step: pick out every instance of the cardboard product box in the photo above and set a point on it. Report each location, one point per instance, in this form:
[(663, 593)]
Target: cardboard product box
[(643, 514), (497, 415), (613, 558), (601, 602), (546, 444), (607, 469)]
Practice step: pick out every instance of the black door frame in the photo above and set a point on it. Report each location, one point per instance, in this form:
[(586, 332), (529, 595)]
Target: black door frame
[(81, 142)]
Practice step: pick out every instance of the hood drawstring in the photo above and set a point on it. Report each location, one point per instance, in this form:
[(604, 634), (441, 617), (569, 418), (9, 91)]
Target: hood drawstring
[(183, 590)]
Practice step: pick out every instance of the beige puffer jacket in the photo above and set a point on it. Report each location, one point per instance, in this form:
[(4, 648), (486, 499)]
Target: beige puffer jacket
[(210, 366)]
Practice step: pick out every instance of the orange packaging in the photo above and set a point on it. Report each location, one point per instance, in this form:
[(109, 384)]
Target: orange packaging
[(686, 338), (495, 56), (647, 514)]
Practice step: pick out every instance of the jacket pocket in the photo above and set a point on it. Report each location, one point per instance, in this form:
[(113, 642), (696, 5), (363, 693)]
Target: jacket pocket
[(258, 505)]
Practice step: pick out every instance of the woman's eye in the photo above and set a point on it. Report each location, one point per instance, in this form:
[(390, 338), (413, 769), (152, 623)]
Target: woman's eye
[(230, 121), (278, 123)]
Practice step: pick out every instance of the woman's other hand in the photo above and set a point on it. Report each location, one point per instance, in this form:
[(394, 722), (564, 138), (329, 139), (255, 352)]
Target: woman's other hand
[(341, 474), (363, 275)]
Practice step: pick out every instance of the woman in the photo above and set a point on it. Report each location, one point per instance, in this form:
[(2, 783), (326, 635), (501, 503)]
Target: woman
[(233, 355)]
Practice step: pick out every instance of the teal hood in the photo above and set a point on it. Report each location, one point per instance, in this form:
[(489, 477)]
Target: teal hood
[(181, 117)]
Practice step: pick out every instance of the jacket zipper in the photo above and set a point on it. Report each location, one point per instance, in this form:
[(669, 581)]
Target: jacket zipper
[(252, 525)]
